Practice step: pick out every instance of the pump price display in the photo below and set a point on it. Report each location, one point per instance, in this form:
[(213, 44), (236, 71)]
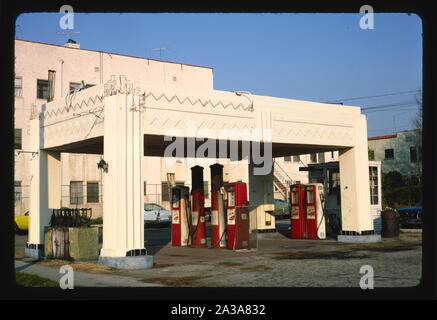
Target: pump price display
[(225, 310)]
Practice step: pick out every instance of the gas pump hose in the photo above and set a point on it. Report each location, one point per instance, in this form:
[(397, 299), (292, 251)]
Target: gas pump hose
[(225, 231), (322, 199)]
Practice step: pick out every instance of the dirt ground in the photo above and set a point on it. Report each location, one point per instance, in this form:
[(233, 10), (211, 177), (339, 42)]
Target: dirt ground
[(277, 262)]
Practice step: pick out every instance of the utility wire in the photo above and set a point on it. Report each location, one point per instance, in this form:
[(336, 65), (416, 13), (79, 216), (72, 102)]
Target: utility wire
[(393, 107), (376, 96)]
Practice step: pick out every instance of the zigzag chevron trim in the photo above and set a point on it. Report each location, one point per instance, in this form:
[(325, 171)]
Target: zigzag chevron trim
[(77, 105), (225, 106)]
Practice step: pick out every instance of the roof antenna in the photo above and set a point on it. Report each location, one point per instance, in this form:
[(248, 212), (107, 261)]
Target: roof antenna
[(160, 51)]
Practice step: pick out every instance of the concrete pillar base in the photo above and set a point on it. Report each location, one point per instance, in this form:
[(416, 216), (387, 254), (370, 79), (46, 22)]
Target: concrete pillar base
[(128, 263), (368, 238), (35, 251)]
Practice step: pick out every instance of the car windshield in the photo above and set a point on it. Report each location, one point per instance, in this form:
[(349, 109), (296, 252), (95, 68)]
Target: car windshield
[(152, 206)]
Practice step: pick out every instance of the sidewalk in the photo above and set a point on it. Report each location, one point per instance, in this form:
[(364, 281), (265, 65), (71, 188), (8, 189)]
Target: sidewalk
[(81, 279)]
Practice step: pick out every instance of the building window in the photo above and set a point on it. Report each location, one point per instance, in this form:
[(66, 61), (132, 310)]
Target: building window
[(371, 155), (373, 175), (321, 157), (17, 191), (165, 191), (18, 86), (92, 192), (145, 188), (413, 154), (332, 154), (389, 153), (42, 89), (76, 192), (313, 157), (17, 139), (296, 158), (287, 158)]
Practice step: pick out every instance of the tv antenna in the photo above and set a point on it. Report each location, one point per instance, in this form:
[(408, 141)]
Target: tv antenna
[(160, 51)]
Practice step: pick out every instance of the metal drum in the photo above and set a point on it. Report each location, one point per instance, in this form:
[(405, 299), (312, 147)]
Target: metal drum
[(389, 224)]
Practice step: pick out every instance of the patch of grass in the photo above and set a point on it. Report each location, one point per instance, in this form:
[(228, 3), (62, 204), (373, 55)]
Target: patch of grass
[(188, 281), (257, 268), (80, 266), (229, 263), (32, 280)]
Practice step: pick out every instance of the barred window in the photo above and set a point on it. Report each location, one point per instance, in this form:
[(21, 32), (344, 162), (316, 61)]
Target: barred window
[(287, 158), (76, 192), (92, 192), (296, 158)]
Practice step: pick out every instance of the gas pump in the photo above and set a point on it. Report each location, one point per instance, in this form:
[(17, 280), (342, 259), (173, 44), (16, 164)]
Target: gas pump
[(218, 222), (237, 216), (316, 226), (180, 211), (297, 208), (307, 215), (198, 232)]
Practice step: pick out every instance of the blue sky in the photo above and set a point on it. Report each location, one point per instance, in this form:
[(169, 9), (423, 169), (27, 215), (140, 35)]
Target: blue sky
[(317, 57)]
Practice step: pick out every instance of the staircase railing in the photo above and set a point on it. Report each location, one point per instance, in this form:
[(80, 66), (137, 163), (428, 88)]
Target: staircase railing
[(282, 177)]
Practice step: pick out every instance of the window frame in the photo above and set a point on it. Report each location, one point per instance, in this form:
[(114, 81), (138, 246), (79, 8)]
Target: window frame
[(392, 154), (373, 177), (20, 87), (79, 197), (94, 197), (38, 81), (16, 137)]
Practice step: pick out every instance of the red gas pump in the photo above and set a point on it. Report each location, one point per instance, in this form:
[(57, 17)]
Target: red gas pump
[(297, 208), (180, 209), (311, 211), (307, 218), (198, 233), (237, 216), (218, 222)]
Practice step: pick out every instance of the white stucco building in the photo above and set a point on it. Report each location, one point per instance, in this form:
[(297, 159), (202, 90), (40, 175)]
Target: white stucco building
[(81, 181)]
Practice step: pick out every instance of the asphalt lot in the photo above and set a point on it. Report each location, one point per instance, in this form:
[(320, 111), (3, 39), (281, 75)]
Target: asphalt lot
[(277, 262)]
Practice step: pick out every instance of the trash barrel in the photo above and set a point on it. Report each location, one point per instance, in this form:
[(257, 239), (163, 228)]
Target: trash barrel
[(389, 224)]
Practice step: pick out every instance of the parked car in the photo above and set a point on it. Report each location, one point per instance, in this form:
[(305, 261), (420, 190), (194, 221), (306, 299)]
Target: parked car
[(22, 223), (155, 214), (282, 209), (411, 217)]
